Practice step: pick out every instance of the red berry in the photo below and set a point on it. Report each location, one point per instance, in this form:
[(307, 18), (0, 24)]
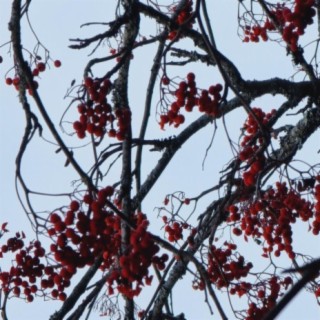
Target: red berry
[(237, 231), (41, 66), (55, 218), (165, 81), (57, 63), (34, 288), (74, 205), (112, 133), (16, 291), (88, 82), (62, 296), (54, 293), (219, 87), (9, 81), (16, 81), (191, 77), (35, 72), (186, 201)]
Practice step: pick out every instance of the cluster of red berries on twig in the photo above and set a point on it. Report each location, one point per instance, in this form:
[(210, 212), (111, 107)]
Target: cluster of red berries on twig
[(256, 32), (80, 238), (224, 266), (134, 265), (292, 22), (174, 229), (28, 276), (39, 68), (316, 222), (250, 145), (97, 116), (271, 217), (187, 97), (263, 296), (184, 18)]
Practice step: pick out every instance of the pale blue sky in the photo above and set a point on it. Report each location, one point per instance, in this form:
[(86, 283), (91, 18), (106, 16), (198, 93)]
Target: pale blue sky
[(57, 21)]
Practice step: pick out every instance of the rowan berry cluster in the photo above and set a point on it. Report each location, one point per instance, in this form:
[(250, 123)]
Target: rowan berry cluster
[(263, 296), (250, 145), (134, 265), (27, 269), (16, 83), (224, 266), (184, 18), (316, 222), (39, 68), (293, 23), (96, 114), (271, 217), (174, 230), (254, 33), (187, 97), (80, 238)]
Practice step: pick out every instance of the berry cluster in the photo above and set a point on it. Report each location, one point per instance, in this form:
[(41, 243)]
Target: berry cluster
[(39, 68), (134, 265), (187, 96), (271, 217), (21, 280), (250, 145), (184, 17), (174, 229), (253, 33), (224, 266), (292, 21), (80, 238), (58, 281), (265, 295), (316, 222), (96, 114)]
